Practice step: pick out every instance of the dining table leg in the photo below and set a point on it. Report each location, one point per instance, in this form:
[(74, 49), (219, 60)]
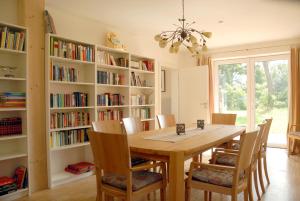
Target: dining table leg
[(176, 176)]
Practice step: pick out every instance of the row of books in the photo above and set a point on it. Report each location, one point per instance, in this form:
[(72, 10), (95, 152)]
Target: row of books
[(80, 168), (69, 50), (69, 119), (146, 125), (10, 126), (104, 77), (75, 99), (139, 100), (110, 115), (11, 39), (64, 73), (142, 113), (135, 80), (146, 65), (109, 59), (109, 99), (12, 99), (62, 138)]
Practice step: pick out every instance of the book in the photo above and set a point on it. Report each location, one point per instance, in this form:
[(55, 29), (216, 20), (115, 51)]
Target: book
[(68, 137), (69, 119), (80, 168), (110, 115), (108, 99), (10, 126), (75, 99), (12, 99)]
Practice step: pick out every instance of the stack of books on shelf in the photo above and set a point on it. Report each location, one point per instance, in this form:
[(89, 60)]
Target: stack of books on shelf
[(76, 99), (145, 65), (14, 40), (63, 73), (104, 77), (137, 81), (80, 168), (146, 125), (143, 113), (12, 99), (138, 100), (69, 50), (110, 115), (108, 59), (69, 119), (68, 137), (12, 184), (10, 126), (109, 99)]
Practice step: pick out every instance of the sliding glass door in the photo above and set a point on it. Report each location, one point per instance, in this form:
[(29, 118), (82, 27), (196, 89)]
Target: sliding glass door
[(255, 89)]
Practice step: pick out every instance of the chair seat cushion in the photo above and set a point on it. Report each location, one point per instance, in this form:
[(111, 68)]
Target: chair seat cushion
[(137, 161), (228, 160), (216, 177), (140, 179)]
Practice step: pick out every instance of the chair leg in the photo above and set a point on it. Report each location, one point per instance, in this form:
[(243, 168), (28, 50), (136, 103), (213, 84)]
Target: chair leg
[(99, 196), (187, 193), (209, 195), (163, 194), (261, 180), (205, 196), (250, 191), (266, 169), (148, 196), (246, 194), (108, 198), (289, 146), (256, 185), (234, 197)]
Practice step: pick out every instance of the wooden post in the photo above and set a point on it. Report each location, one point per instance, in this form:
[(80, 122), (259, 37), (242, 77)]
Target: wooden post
[(31, 15), (176, 188)]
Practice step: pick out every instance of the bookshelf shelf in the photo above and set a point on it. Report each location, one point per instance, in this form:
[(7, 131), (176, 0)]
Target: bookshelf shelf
[(111, 85), (4, 157), (70, 146), (54, 58), (113, 106), (72, 108), (12, 109), (15, 195), (69, 128), (5, 50), (141, 71), (151, 119), (66, 177), (137, 87), (106, 66), (13, 78), (71, 83), (12, 137), (148, 105)]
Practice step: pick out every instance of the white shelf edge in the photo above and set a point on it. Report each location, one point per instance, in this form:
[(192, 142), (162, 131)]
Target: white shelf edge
[(149, 105), (112, 85), (113, 106), (71, 60), (107, 66), (15, 195), (13, 51), (12, 78), (137, 87), (71, 83), (66, 177), (12, 109), (69, 128), (109, 49), (12, 156), (12, 137), (70, 146), (151, 119), (141, 71), (71, 108)]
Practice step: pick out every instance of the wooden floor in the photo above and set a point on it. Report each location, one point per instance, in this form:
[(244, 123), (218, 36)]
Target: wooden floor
[(284, 174)]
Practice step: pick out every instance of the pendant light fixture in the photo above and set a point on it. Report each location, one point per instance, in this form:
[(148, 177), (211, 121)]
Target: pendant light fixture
[(184, 35)]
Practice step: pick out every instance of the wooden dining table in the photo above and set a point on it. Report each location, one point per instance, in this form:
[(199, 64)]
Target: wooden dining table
[(154, 145)]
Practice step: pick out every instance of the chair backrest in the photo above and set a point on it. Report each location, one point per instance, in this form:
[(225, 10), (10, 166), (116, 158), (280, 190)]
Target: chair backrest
[(266, 134), (132, 125), (111, 152), (221, 118), (262, 130), (165, 121), (248, 141), (107, 126)]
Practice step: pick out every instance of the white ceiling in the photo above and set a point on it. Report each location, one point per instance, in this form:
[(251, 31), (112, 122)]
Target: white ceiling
[(245, 21)]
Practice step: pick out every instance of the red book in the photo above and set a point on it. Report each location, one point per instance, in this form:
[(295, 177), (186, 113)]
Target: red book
[(6, 181)]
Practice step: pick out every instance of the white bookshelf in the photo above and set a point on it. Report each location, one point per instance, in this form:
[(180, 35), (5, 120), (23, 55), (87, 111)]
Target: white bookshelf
[(14, 148), (60, 156)]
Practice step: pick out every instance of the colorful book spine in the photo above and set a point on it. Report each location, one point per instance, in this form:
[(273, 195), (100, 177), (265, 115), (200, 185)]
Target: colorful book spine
[(64, 73), (109, 59), (139, 100), (104, 77), (12, 99), (69, 119), (69, 137), (69, 50), (11, 39), (143, 113), (10, 126), (108, 99), (76, 99), (110, 115)]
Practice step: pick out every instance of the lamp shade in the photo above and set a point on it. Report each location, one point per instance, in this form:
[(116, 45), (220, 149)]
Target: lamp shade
[(207, 34)]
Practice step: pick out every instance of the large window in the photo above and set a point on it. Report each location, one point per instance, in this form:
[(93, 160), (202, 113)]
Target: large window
[(255, 89)]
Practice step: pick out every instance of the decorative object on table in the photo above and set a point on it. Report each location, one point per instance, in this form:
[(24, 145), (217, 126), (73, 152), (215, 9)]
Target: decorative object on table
[(163, 80), (184, 35), (8, 70), (80, 168), (200, 123), (112, 41), (49, 24), (180, 129)]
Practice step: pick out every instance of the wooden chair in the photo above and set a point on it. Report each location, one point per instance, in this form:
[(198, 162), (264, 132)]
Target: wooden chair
[(221, 157), (165, 121), (115, 175), (262, 157), (108, 126), (224, 179), (221, 118), (132, 125), (293, 135)]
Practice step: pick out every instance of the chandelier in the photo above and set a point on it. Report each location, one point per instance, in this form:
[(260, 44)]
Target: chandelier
[(184, 35)]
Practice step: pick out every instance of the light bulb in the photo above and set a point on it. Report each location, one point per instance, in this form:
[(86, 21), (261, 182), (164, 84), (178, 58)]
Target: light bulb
[(191, 49), (193, 39), (157, 37), (207, 34), (163, 43), (204, 48), (171, 49), (177, 44)]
